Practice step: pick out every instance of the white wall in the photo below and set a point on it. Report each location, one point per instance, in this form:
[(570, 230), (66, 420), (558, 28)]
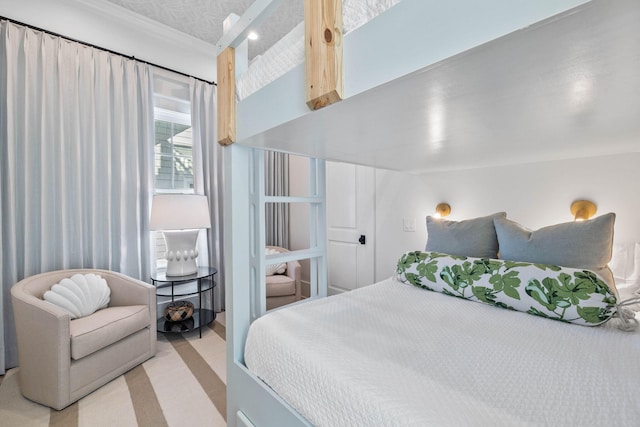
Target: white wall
[(535, 195), (112, 27)]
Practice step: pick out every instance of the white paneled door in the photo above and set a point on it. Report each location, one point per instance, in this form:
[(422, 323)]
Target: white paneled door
[(350, 226)]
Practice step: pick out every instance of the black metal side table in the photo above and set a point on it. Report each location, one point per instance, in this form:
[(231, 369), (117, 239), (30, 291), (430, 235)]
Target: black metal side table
[(182, 286)]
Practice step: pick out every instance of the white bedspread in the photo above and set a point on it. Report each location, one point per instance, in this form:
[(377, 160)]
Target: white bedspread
[(288, 52), (394, 355)]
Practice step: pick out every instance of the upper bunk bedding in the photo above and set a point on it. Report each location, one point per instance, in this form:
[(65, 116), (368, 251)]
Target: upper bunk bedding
[(392, 354)]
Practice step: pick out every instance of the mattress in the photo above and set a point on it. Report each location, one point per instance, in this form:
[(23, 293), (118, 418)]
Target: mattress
[(288, 52), (394, 355)]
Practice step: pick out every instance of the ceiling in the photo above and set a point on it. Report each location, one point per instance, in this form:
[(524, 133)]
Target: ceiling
[(203, 19)]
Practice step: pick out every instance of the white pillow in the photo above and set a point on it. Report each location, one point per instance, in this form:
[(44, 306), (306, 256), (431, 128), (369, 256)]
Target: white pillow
[(633, 281), (80, 295), (625, 264), (271, 269), (635, 276), (621, 263)]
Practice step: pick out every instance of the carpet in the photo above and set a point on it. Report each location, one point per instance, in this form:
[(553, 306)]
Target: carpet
[(184, 384)]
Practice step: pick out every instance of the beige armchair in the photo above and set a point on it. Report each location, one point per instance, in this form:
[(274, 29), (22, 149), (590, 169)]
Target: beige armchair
[(62, 360), (284, 288)]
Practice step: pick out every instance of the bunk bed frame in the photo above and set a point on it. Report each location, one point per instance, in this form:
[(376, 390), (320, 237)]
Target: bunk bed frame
[(400, 35)]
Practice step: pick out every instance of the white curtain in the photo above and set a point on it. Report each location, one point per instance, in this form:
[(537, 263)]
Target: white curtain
[(208, 174), (76, 145), (276, 167)]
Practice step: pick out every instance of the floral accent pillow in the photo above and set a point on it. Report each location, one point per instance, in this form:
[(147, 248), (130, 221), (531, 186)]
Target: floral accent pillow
[(568, 294)]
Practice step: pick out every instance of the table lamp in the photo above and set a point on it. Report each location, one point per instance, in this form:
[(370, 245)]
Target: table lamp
[(180, 218)]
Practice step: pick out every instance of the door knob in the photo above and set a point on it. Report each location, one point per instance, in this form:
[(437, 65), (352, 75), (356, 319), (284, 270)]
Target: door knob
[(362, 239)]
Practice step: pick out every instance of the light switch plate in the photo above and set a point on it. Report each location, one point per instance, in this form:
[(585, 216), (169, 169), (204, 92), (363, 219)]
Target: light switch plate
[(409, 224)]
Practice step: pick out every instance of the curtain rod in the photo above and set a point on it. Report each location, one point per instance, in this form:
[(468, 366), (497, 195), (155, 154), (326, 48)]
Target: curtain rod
[(105, 49)]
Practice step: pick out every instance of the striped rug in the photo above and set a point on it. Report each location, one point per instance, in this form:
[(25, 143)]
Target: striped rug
[(184, 384)]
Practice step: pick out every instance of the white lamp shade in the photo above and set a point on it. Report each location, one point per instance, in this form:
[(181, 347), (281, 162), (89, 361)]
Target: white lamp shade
[(179, 212)]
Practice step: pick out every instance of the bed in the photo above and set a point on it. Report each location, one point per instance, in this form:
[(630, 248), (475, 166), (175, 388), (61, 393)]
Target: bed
[(395, 355), (381, 123), (455, 339)]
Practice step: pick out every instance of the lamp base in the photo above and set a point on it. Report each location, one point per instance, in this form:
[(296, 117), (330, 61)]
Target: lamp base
[(181, 252)]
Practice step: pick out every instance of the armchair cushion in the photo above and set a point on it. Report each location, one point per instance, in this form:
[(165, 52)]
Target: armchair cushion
[(105, 327), (279, 285), (284, 288)]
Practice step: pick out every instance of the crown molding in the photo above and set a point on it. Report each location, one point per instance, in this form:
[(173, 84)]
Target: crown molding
[(146, 25)]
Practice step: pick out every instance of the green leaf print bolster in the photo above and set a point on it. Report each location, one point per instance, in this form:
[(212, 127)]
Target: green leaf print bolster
[(560, 293)]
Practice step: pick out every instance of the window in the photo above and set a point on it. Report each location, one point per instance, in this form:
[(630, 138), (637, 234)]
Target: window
[(173, 152), (173, 146)]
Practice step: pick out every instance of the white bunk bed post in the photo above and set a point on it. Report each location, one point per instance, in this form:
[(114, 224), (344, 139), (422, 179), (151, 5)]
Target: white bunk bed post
[(322, 228), (254, 15), (257, 231), (241, 50), (318, 229)]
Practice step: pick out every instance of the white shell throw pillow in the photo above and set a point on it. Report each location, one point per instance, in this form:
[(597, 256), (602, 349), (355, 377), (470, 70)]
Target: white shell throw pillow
[(272, 269), (81, 295)]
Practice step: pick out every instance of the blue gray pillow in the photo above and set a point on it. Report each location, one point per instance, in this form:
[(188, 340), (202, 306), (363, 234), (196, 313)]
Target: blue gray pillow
[(472, 237), (580, 244)]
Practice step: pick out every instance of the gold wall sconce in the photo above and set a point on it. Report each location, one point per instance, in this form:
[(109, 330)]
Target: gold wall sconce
[(582, 210), (442, 210)]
